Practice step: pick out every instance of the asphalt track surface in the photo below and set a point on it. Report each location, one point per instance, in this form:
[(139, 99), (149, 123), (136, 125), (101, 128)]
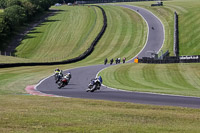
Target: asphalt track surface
[(81, 76)]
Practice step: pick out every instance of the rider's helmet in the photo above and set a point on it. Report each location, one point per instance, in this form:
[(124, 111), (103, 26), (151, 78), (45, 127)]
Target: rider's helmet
[(57, 69)]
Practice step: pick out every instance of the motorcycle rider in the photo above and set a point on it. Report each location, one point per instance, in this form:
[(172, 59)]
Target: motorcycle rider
[(58, 74), (111, 61), (57, 70), (105, 61), (65, 80), (98, 81), (68, 75)]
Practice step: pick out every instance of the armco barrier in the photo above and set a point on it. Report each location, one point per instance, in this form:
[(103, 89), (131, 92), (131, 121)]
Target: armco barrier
[(189, 59), (80, 57), (171, 59)]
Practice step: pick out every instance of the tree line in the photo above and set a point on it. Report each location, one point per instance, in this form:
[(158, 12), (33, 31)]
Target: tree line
[(17, 12)]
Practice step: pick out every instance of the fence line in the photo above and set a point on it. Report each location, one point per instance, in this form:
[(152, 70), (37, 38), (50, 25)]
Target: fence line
[(6, 53)]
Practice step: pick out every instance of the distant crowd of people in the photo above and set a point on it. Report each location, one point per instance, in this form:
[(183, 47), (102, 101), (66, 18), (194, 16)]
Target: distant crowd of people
[(117, 61)]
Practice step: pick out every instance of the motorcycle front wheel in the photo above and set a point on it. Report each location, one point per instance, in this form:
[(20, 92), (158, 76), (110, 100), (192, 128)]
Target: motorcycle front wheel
[(93, 88)]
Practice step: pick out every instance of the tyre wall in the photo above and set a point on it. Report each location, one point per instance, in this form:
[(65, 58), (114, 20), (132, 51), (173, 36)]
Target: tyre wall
[(176, 35)]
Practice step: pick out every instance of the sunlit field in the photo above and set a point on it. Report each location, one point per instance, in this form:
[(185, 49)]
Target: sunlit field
[(66, 34), (177, 79), (188, 12), (21, 112)]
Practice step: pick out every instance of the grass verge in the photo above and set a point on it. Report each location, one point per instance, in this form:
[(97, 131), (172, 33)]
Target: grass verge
[(179, 79), (47, 114)]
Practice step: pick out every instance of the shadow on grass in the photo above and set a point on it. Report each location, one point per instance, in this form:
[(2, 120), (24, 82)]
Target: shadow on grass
[(31, 29), (28, 37), (50, 21), (34, 32)]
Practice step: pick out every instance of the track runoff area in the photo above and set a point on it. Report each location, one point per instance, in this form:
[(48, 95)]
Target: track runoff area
[(81, 76)]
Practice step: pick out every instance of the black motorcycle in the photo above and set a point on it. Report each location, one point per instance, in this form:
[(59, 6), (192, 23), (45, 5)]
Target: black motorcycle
[(94, 85)]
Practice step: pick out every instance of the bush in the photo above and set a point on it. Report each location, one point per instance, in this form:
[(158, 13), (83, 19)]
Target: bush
[(14, 16), (17, 12), (30, 9), (2, 4)]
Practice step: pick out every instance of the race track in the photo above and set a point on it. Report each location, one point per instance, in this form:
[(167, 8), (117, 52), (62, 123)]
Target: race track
[(82, 76)]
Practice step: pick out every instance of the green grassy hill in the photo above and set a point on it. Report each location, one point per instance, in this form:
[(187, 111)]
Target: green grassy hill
[(188, 12), (12, 59), (65, 35), (59, 39), (178, 79), (20, 112), (125, 36), (115, 43)]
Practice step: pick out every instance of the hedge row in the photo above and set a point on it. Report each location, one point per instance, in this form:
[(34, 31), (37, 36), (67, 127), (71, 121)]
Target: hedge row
[(76, 59)]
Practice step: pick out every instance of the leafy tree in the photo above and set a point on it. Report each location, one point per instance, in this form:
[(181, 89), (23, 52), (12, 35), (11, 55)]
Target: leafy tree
[(4, 30), (3, 4), (37, 4), (17, 12), (30, 9), (3, 25), (14, 16), (10, 3), (46, 4), (42, 5)]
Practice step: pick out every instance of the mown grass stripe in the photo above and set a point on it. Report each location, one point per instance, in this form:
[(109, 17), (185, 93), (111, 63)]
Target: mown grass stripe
[(151, 78), (161, 78), (90, 27), (66, 37), (113, 42), (146, 76), (191, 74), (111, 36), (128, 39)]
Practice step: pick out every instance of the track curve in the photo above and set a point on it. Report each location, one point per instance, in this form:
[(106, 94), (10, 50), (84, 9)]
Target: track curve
[(81, 76), (156, 33)]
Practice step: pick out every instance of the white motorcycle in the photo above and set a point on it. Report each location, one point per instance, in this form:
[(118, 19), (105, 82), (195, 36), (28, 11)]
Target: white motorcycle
[(94, 85)]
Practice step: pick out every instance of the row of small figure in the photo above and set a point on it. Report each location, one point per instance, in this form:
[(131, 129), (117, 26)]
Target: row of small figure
[(117, 61)]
